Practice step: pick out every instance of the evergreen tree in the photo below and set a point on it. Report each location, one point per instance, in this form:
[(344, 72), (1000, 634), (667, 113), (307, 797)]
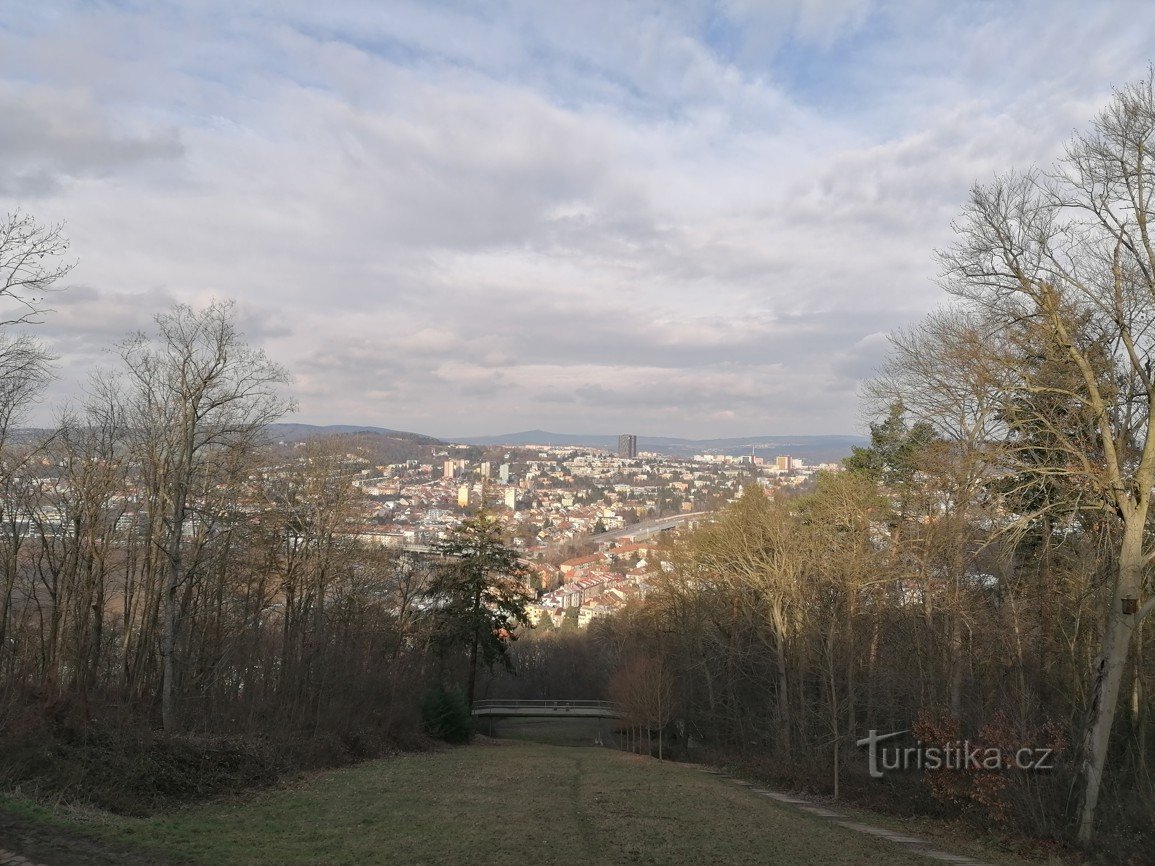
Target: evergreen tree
[(478, 595), (894, 448)]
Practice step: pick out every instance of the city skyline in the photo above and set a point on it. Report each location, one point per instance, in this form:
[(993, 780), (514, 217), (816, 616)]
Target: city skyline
[(694, 218)]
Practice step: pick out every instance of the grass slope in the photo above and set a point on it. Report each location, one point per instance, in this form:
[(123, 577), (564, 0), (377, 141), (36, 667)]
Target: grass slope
[(502, 801)]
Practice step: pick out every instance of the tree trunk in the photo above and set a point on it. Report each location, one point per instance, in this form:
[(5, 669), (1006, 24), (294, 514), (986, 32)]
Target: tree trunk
[(1109, 674), (833, 697), (955, 662), (168, 651), (175, 552), (784, 714), (476, 642), (472, 672)]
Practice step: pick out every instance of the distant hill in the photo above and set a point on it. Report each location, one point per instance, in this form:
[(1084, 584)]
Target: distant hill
[(540, 437), (287, 433), (815, 449), (300, 432), (378, 444)]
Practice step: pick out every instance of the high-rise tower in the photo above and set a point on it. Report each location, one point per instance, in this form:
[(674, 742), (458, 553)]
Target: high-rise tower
[(628, 445)]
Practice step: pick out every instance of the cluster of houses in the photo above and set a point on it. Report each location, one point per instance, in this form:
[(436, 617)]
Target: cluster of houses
[(596, 585), (552, 496)]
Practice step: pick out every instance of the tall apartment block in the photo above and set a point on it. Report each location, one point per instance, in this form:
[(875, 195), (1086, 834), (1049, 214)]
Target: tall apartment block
[(628, 445)]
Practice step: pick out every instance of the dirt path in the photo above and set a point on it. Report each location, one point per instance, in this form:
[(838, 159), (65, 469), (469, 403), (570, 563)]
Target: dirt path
[(903, 841)]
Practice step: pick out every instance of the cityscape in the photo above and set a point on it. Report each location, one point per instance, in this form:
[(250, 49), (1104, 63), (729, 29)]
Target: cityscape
[(606, 509)]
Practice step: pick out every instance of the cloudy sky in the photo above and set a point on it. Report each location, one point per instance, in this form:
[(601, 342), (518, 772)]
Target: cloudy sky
[(674, 218)]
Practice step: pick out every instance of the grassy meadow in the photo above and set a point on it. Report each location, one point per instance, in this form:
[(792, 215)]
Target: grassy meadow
[(496, 801)]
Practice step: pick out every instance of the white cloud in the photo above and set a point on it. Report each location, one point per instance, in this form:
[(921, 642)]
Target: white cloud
[(683, 218)]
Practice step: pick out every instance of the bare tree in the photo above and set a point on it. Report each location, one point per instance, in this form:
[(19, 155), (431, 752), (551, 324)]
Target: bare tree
[(196, 393), (845, 565), (756, 549), (309, 504), (30, 264), (643, 690), (1060, 266)]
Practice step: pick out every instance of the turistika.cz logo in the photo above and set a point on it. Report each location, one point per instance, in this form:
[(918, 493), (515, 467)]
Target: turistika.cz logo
[(957, 755)]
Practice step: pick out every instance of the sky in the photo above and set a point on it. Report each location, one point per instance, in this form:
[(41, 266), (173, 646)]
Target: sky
[(671, 218)]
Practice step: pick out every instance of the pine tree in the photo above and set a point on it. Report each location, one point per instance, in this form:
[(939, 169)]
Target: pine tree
[(479, 594)]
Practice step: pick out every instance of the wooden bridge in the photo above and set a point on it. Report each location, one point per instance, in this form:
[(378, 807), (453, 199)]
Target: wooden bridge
[(546, 709)]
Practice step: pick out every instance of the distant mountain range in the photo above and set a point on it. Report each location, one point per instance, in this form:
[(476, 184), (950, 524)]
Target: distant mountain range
[(816, 449)]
